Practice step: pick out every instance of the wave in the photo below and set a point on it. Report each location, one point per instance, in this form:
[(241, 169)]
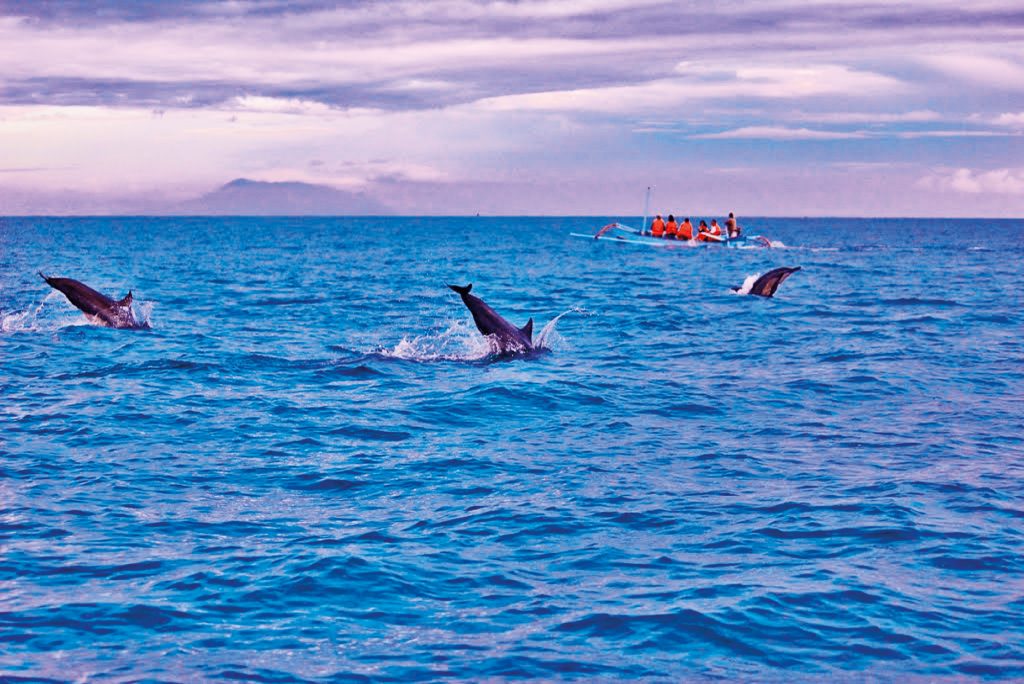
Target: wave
[(144, 368), (288, 301), (918, 301)]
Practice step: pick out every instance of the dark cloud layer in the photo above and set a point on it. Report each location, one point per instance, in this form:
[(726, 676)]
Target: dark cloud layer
[(657, 20), (111, 11), (192, 95)]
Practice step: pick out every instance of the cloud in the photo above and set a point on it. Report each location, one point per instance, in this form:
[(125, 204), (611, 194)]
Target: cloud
[(951, 134), (780, 133), (980, 69), (873, 167), (256, 103), (419, 85), (971, 182), (262, 53), (26, 169), (778, 83), (1015, 120), (444, 91), (916, 116), (101, 149), (354, 175)]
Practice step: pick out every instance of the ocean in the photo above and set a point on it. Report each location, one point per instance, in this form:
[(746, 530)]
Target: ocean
[(311, 468)]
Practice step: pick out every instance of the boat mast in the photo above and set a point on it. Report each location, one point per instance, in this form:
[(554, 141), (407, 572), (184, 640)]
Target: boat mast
[(647, 206)]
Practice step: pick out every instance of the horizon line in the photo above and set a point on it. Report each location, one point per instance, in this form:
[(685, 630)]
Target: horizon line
[(893, 217)]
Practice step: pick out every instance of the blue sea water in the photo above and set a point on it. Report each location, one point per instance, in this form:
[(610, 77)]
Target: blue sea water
[(311, 468)]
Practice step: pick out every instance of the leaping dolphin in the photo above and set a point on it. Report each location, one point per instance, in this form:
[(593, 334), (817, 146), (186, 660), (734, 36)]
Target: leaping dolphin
[(504, 336), (766, 285), (98, 308)]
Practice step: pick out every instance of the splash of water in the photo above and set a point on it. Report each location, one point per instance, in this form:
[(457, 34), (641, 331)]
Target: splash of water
[(143, 313), (458, 342), (27, 320), (549, 338), (461, 342), (747, 284)]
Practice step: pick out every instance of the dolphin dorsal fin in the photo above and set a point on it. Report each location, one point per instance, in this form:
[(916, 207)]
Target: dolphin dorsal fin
[(528, 330), (127, 301)]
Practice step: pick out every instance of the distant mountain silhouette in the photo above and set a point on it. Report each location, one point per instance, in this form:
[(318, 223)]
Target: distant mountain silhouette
[(244, 197)]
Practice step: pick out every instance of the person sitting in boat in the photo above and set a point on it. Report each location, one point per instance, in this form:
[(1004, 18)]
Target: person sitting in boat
[(685, 230), (671, 228), (702, 231), (712, 233), (732, 229), (657, 227)]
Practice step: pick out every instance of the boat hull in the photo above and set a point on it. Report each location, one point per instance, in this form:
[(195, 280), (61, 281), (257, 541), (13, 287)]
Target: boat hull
[(746, 242)]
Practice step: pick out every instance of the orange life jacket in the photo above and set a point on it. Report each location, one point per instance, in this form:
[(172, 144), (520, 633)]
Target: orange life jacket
[(715, 229), (685, 231), (657, 227), (671, 228)]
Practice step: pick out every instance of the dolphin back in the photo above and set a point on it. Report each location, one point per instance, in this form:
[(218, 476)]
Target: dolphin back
[(101, 308), (767, 284), (527, 330), (504, 336), (81, 295)]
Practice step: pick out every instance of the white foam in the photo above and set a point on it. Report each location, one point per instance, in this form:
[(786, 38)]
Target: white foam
[(458, 342), (747, 284), (25, 321), (144, 312)]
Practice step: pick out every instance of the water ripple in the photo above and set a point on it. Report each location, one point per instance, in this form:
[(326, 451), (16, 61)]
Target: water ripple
[(293, 478)]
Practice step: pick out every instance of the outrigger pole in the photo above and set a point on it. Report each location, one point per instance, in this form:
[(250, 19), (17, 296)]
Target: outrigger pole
[(627, 229), (647, 206)]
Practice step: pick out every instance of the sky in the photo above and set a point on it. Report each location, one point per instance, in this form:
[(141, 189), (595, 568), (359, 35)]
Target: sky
[(572, 107)]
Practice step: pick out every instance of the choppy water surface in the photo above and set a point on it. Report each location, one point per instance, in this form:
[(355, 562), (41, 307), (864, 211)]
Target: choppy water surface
[(310, 468)]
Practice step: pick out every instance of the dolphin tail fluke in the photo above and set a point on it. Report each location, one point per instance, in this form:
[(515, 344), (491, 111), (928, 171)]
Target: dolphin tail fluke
[(527, 330), (43, 277), (462, 290), (127, 301)]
